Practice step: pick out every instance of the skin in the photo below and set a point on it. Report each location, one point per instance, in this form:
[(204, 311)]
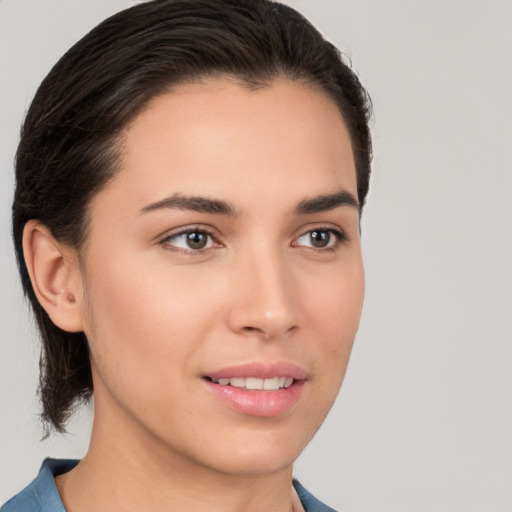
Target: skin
[(159, 316)]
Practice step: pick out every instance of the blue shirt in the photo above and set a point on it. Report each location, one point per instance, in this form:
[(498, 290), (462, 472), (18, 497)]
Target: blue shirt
[(42, 495)]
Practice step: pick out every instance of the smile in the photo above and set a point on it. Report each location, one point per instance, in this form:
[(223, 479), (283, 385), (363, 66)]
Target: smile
[(257, 388), (254, 383)]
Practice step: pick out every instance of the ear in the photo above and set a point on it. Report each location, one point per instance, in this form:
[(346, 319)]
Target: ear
[(55, 275)]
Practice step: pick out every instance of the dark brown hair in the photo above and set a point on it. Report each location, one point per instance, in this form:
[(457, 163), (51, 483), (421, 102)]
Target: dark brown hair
[(68, 150)]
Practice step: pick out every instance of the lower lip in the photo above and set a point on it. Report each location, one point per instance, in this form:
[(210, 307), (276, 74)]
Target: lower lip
[(257, 402)]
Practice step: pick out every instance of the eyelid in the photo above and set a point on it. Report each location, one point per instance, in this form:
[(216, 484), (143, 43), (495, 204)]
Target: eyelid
[(339, 234), (183, 230)]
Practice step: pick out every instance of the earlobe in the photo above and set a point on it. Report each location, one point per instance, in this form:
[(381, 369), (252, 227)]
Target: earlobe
[(55, 276)]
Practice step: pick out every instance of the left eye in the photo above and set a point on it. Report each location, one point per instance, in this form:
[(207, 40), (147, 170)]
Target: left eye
[(191, 240), (319, 239)]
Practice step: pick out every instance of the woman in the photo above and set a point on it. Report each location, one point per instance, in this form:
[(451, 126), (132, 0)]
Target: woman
[(190, 180)]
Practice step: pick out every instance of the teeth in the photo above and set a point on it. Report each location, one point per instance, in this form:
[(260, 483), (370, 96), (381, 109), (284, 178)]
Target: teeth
[(237, 382), (272, 384), (252, 383)]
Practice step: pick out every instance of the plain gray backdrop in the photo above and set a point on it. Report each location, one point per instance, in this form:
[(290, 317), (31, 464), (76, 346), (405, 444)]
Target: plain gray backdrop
[(424, 419)]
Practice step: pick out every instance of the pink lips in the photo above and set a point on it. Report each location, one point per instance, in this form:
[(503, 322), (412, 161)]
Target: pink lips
[(259, 402)]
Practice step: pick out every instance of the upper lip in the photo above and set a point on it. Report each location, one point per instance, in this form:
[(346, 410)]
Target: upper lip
[(260, 370)]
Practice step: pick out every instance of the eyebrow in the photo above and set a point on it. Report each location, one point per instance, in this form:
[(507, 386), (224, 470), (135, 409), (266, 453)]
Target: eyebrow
[(317, 204), (326, 202), (194, 203)]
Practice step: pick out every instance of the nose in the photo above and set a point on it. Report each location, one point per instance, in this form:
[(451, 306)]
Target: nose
[(265, 302)]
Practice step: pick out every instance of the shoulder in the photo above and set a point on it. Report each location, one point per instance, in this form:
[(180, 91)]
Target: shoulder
[(309, 502), (41, 495), (25, 501)]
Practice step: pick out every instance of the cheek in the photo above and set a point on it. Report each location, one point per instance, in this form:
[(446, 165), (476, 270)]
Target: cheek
[(144, 314), (334, 313), (143, 331), (333, 317), (336, 302), (126, 328)]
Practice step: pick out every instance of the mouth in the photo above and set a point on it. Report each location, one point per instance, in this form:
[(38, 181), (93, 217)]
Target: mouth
[(255, 389), (255, 383)]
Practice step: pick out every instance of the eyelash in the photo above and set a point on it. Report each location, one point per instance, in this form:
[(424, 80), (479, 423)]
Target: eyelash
[(188, 231), (339, 235)]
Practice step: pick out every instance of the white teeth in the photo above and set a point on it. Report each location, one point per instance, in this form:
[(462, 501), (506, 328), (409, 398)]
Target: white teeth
[(271, 384), (237, 382), (253, 383)]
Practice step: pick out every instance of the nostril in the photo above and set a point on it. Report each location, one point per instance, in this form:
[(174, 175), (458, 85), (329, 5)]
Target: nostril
[(267, 333), (252, 330)]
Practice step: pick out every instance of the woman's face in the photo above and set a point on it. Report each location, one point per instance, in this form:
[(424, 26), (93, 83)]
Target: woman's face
[(225, 256)]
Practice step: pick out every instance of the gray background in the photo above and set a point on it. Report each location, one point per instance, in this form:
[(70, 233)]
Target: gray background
[(424, 420)]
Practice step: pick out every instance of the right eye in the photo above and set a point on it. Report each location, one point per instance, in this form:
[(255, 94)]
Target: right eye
[(191, 240)]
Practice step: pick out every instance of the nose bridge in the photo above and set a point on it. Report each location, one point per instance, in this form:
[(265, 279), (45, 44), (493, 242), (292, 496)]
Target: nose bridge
[(265, 303)]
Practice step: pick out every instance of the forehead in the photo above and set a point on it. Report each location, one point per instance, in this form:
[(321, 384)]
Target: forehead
[(219, 138)]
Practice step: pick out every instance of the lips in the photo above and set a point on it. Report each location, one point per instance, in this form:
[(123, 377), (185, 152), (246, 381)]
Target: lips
[(260, 371), (258, 389)]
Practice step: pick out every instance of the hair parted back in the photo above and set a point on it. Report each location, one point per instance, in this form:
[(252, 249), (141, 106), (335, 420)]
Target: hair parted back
[(69, 148)]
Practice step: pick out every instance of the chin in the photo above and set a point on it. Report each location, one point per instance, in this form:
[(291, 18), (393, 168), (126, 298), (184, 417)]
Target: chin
[(256, 466), (261, 456)]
